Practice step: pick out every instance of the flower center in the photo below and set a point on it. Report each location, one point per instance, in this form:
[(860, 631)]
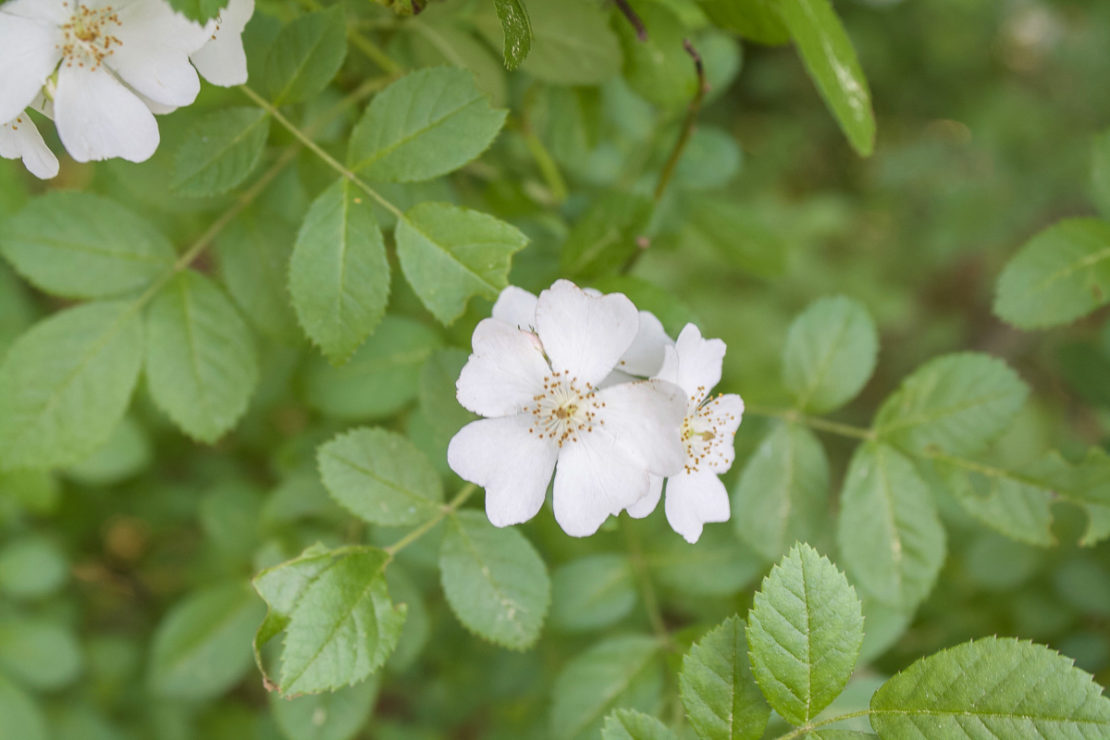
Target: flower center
[(564, 410), (703, 436), (87, 37)]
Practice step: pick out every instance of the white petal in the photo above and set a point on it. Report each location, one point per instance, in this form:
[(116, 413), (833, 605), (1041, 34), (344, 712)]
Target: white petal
[(20, 138), (516, 306), (647, 504), (55, 12), (222, 60), (724, 413), (693, 500), (153, 56), (584, 335), (645, 419), (645, 356), (512, 465), (28, 55), (593, 480), (504, 373), (98, 118), (158, 109), (699, 362)]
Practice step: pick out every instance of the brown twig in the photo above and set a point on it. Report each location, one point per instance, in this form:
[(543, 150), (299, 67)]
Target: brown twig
[(630, 14)]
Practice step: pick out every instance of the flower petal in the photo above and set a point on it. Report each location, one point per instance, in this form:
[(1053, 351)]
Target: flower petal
[(28, 55), (516, 306), (724, 414), (647, 504), (222, 60), (645, 419), (645, 356), (504, 373), (98, 118), (699, 363), (512, 465), (584, 335), (593, 480), (153, 54), (694, 499), (20, 138)]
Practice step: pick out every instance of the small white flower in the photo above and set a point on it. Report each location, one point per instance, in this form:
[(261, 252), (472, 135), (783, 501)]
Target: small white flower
[(222, 61), (20, 139), (696, 495), (99, 61), (540, 392)]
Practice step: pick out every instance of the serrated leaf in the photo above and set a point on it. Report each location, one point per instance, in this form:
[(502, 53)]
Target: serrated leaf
[(718, 690), (1060, 274), (305, 56), (805, 629), (424, 125), (758, 20), (619, 672), (628, 724), (999, 686), (201, 647), (38, 653), (339, 622), (339, 272), (591, 592), (80, 245), (380, 378), (517, 29), (337, 715), (573, 43), (782, 496), (380, 477), (198, 10), (1018, 509), (1100, 173), (604, 238), (831, 61), (201, 366), (494, 579), (956, 403), (891, 541), (830, 353), (65, 384), (220, 151), (22, 717), (449, 254)]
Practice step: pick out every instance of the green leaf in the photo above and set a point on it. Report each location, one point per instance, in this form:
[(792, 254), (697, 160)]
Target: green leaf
[(740, 236), (591, 592), (517, 29), (126, 453), (65, 384), (80, 245), (658, 68), (38, 653), (618, 672), (200, 11), (782, 496), (201, 647), (338, 272), (1018, 509), (200, 361), (718, 690), (720, 565), (220, 151), (605, 237), (628, 724), (1100, 173), (830, 353), (31, 566), (305, 56), (449, 254), (805, 629), (23, 720), (891, 541), (1060, 274), (424, 125), (758, 20), (956, 403), (999, 686), (380, 477), (340, 624), (437, 394), (494, 579), (333, 716), (380, 378), (831, 61), (573, 43)]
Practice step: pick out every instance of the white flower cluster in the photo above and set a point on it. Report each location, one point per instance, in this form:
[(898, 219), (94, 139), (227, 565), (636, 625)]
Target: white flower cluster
[(585, 385), (101, 69)]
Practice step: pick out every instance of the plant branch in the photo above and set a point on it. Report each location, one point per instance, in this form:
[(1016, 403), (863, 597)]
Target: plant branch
[(627, 11), (687, 123), (444, 511), (810, 726), (372, 51), (824, 425)]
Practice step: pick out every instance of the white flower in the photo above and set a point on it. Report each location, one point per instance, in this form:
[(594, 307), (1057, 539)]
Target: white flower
[(546, 412), (100, 60), (19, 138), (222, 61), (696, 495)]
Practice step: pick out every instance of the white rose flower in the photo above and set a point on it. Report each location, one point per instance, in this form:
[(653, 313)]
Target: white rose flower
[(222, 61), (545, 412), (100, 60), (696, 495), (20, 139)]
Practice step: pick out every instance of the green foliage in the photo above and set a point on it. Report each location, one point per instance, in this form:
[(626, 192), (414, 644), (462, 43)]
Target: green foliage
[(657, 67), (22, 717), (220, 152), (758, 20), (1100, 173), (517, 29), (305, 56), (199, 10), (30, 567), (830, 354), (335, 716), (592, 592), (572, 43), (605, 237), (628, 724), (40, 654)]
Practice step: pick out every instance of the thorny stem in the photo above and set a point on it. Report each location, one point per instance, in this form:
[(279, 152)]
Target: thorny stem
[(687, 124), (810, 726), (444, 511), (833, 427), (630, 14)]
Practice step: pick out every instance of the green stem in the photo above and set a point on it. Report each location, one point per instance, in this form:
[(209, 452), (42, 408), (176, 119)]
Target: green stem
[(444, 511), (372, 51), (799, 731), (687, 123), (824, 425), (647, 589)]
